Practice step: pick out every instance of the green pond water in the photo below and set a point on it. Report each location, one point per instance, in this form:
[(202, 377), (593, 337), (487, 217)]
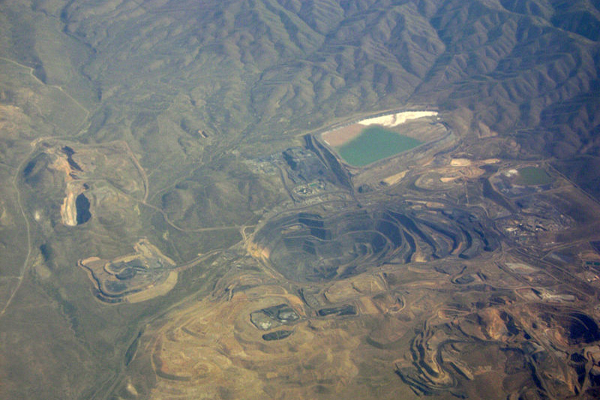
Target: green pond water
[(373, 144), (533, 176)]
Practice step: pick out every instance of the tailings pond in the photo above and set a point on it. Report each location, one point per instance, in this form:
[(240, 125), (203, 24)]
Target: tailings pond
[(373, 144), (533, 176)]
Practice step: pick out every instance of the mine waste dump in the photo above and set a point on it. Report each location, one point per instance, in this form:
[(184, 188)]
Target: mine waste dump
[(307, 246)]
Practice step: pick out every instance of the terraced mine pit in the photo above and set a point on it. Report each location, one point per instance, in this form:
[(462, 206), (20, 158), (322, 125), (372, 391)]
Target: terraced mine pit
[(312, 247), (132, 278), (571, 328), (484, 353), (84, 175)]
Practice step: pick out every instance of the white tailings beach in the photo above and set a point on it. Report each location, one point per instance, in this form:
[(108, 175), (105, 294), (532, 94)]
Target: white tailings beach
[(340, 136), (396, 119)]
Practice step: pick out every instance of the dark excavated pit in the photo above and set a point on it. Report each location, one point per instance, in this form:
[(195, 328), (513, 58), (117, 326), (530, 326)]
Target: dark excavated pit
[(582, 329), (126, 274), (308, 246), (70, 152), (277, 335), (578, 328), (83, 209), (273, 317), (347, 309), (463, 280)]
